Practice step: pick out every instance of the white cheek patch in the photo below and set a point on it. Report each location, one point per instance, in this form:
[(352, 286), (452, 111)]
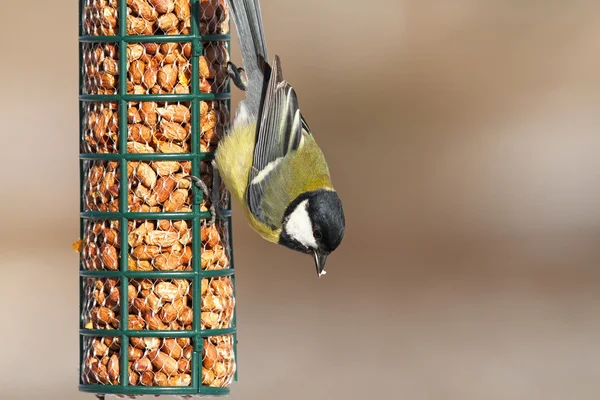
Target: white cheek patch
[(299, 227)]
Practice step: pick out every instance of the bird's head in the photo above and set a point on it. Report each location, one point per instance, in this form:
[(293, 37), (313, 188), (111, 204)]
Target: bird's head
[(314, 224)]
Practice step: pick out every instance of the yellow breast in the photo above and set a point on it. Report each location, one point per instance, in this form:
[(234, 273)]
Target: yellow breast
[(234, 160)]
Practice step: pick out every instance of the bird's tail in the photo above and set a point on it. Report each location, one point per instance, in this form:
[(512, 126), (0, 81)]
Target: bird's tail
[(248, 21)]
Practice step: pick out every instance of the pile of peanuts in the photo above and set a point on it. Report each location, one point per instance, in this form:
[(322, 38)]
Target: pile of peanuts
[(154, 17), (158, 305), (158, 362), (153, 186), (101, 186), (160, 245), (153, 127)]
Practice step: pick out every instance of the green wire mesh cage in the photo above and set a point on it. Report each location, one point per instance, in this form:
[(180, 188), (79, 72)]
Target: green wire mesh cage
[(157, 298)]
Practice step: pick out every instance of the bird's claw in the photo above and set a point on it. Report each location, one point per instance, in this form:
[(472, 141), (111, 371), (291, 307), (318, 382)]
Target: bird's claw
[(235, 74), (214, 196)]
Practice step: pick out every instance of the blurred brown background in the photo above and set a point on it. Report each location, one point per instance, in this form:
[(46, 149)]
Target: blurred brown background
[(463, 138)]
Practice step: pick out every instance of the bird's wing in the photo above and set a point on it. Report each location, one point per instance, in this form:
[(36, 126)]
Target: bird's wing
[(279, 132)]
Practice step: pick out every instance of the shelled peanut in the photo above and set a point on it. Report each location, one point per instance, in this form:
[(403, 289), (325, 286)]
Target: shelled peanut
[(159, 68), (214, 120), (218, 361), (160, 304), (100, 128), (159, 186), (218, 303), (158, 127), (101, 361), (213, 67), (160, 362), (100, 17), (100, 68), (157, 17), (102, 300), (101, 186), (214, 17), (215, 249), (160, 245), (101, 245)]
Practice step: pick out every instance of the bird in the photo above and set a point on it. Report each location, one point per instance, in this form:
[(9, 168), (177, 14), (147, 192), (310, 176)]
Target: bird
[(269, 159)]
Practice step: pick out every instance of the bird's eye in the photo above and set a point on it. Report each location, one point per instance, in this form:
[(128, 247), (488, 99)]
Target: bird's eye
[(317, 234)]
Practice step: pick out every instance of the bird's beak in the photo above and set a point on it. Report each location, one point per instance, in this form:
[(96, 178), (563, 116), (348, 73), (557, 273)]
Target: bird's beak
[(320, 259)]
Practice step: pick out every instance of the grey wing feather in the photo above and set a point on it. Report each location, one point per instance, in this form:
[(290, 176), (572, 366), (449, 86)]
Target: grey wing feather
[(256, 26), (248, 21), (279, 130), (278, 133)]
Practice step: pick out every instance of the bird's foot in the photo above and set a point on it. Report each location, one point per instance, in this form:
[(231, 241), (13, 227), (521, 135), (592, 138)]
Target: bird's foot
[(213, 195), (235, 74)]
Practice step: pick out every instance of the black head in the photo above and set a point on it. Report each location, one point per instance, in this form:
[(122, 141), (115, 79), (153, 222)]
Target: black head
[(314, 223)]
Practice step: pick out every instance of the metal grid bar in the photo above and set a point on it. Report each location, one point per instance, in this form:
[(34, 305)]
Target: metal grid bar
[(153, 38), (154, 390), (123, 195), (156, 274), (132, 215), (198, 195), (141, 157), (149, 333), (154, 97)]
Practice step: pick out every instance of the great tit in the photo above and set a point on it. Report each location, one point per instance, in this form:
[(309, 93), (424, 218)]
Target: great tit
[(269, 159)]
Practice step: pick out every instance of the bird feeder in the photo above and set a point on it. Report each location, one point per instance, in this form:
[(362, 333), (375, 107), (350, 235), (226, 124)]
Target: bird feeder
[(157, 298)]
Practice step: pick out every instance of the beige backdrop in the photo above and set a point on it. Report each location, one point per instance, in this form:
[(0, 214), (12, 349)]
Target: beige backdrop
[(463, 138)]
